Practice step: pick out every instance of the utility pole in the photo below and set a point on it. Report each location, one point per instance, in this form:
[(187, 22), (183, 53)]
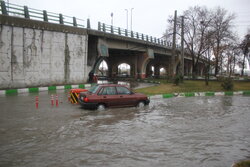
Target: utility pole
[(173, 70), (182, 46)]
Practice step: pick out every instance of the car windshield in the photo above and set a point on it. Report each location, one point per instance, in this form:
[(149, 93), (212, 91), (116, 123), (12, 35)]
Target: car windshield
[(93, 89)]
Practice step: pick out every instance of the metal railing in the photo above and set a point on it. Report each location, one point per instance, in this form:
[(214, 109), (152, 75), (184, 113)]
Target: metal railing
[(42, 15), (136, 35)]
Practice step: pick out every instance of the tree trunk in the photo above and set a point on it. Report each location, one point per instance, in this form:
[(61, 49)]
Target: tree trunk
[(217, 56), (216, 70), (234, 60), (207, 74), (194, 72), (243, 65), (228, 64)]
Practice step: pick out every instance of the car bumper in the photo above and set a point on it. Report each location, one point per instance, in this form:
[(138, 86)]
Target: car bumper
[(87, 105)]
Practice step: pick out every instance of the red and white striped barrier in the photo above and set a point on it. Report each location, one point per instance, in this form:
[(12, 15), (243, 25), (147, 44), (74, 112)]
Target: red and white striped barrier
[(52, 100), (56, 100)]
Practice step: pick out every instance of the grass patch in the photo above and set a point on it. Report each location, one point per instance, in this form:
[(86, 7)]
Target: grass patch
[(190, 86), (245, 163)]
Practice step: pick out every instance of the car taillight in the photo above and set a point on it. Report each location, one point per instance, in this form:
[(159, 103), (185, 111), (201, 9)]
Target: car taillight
[(86, 99)]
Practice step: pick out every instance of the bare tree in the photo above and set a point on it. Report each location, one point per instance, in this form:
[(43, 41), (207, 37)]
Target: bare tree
[(222, 27), (207, 62), (205, 30), (232, 53), (197, 25)]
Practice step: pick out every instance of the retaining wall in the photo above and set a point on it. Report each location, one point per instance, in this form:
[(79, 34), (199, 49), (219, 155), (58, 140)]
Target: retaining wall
[(32, 57)]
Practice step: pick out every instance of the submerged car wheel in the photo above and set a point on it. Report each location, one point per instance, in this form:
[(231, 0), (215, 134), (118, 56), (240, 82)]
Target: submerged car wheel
[(140, 104), (101, 107)]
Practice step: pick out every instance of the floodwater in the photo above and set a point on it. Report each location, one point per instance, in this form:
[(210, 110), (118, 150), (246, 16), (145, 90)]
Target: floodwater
[(175, 132)]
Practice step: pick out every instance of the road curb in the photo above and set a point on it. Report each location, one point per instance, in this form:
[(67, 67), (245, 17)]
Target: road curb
[(159, 96), (198, 94), (40, 89)]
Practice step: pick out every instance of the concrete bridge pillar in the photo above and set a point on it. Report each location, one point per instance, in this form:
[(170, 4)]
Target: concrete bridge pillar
[(135, 67), (142, 62)]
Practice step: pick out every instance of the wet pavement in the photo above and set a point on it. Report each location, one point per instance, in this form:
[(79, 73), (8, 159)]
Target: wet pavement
[(175, 132)]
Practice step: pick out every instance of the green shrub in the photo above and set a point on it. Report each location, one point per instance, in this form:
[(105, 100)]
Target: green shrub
[(177, 79), (227, 83)]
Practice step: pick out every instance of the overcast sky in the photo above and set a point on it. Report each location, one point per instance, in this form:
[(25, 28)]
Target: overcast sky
[(149, 16)]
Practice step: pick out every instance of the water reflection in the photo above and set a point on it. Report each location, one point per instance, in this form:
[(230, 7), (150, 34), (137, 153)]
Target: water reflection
[(109, 116)]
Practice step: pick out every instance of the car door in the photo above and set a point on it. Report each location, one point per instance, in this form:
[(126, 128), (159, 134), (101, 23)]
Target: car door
[(126, 96), (108, 95)]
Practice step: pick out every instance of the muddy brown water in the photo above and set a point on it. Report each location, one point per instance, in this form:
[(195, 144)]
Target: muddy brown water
[(179, 132)]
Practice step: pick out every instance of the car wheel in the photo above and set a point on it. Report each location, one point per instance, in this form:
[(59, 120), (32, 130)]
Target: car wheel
[(140, 104), (101, 107)]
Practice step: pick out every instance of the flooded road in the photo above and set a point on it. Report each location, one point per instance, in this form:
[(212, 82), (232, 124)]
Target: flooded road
[(176, 132)]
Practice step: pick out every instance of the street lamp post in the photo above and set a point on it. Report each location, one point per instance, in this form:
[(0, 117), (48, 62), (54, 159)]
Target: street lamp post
[(127, 17), (131, 18), (112, 18)]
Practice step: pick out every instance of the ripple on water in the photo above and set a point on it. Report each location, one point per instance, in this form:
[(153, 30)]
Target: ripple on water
[(195, 131)]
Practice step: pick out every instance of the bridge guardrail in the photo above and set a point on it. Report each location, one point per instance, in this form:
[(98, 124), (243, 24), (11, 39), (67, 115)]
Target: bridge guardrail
[(43, 15), (136, 35)]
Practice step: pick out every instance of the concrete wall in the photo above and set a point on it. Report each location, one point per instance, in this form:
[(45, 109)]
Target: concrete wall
[(35, 57)]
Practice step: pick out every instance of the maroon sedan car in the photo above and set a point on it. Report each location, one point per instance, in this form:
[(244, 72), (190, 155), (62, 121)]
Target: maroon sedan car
[(111, 95)]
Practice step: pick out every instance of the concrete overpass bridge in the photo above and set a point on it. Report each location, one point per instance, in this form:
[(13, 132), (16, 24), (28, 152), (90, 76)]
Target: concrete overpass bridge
[(39, 48)]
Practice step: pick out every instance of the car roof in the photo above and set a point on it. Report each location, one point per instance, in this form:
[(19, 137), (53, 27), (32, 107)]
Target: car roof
[(112, 85)]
